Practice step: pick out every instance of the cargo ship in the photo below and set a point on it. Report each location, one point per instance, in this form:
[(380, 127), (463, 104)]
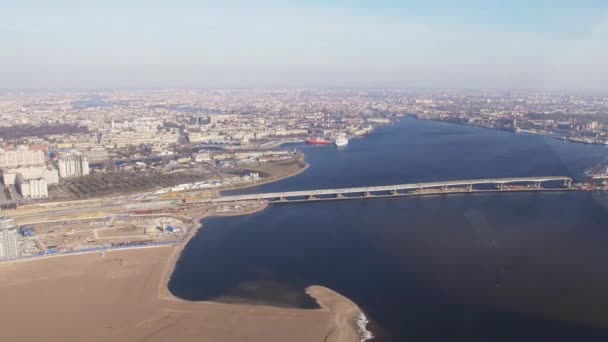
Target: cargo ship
[(588, 141), (318, 141), (580, 140)]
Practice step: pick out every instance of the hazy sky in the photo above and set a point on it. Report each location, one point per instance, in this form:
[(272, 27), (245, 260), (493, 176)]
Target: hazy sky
[(466, 44)]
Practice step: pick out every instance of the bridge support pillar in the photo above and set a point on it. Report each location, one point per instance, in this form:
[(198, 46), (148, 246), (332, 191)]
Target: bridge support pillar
[(444, 188), (311, 197), (367, 194), (392, 192), (537, 185), (469, 187), (339, 195), (499, 186), (282, 199), (567, 183)]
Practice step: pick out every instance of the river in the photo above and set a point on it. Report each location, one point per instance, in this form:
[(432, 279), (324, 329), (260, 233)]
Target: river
[(469, 267)]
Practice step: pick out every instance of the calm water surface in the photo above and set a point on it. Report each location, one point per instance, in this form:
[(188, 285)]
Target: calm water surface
[(480, 267)]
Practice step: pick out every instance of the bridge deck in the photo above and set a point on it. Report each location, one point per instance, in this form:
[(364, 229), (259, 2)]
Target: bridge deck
[(395, 188)]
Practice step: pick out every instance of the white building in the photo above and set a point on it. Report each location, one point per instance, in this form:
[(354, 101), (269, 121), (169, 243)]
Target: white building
[(219, 118), (9, 175), (127, 138), (140, 125), (73, 164), (32, 188), (196, 137), (9, 248), (7, 223), (20, 158)]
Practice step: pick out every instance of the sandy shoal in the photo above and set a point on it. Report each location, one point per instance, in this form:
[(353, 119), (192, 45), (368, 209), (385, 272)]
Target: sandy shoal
[(123, 296)]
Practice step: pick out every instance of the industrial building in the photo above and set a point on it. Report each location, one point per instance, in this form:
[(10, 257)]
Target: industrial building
[(73, 164)]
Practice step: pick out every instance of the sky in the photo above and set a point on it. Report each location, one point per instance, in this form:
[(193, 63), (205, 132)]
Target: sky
[(534, 44)]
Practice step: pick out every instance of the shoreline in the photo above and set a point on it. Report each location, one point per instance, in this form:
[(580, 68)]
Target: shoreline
[(550, 134), (110, 282), (184, 239), (347, 326), (197, 222), (340, 311), (345, 312)]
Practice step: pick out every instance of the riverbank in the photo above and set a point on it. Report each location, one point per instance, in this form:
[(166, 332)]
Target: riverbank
[(122, 295), (558, 135), (276, 173), (343, 313), (90, 298)]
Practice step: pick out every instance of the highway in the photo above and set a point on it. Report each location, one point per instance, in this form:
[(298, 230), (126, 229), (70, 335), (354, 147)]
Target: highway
[(396, 190), (75, 209)]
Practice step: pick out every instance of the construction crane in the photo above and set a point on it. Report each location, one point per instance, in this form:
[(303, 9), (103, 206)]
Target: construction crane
[(598, 171)]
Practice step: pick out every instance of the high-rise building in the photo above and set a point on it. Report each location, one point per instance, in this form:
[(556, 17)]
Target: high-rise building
[(32, 188), (9, 247), (9, 175), (73, 164)]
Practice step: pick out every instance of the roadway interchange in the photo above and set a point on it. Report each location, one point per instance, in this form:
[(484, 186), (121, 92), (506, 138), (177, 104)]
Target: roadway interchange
[(457, 186)]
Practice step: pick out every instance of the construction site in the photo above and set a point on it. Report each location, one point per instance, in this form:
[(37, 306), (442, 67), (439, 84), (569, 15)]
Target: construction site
[(98, 233), (120, 222)]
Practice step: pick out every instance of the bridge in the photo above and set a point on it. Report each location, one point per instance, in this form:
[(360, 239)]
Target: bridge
[(457, 186)]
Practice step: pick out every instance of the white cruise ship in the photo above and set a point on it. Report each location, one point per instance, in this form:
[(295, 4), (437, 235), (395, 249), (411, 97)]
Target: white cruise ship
[(341, 141)]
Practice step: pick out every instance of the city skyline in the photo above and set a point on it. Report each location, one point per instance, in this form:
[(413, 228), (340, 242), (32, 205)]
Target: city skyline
[(550, 45), (304, 171)]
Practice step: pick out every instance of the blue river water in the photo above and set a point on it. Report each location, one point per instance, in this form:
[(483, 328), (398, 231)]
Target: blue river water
[(471, 267)]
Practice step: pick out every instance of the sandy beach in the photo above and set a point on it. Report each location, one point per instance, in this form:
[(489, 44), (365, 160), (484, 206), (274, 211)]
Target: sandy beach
[(123, 296)]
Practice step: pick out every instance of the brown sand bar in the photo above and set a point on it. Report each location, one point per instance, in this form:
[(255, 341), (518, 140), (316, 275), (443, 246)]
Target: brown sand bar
[(123, 296), (343, 310)]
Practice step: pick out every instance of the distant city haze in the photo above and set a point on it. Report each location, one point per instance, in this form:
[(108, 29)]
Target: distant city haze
[(538, 45)]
